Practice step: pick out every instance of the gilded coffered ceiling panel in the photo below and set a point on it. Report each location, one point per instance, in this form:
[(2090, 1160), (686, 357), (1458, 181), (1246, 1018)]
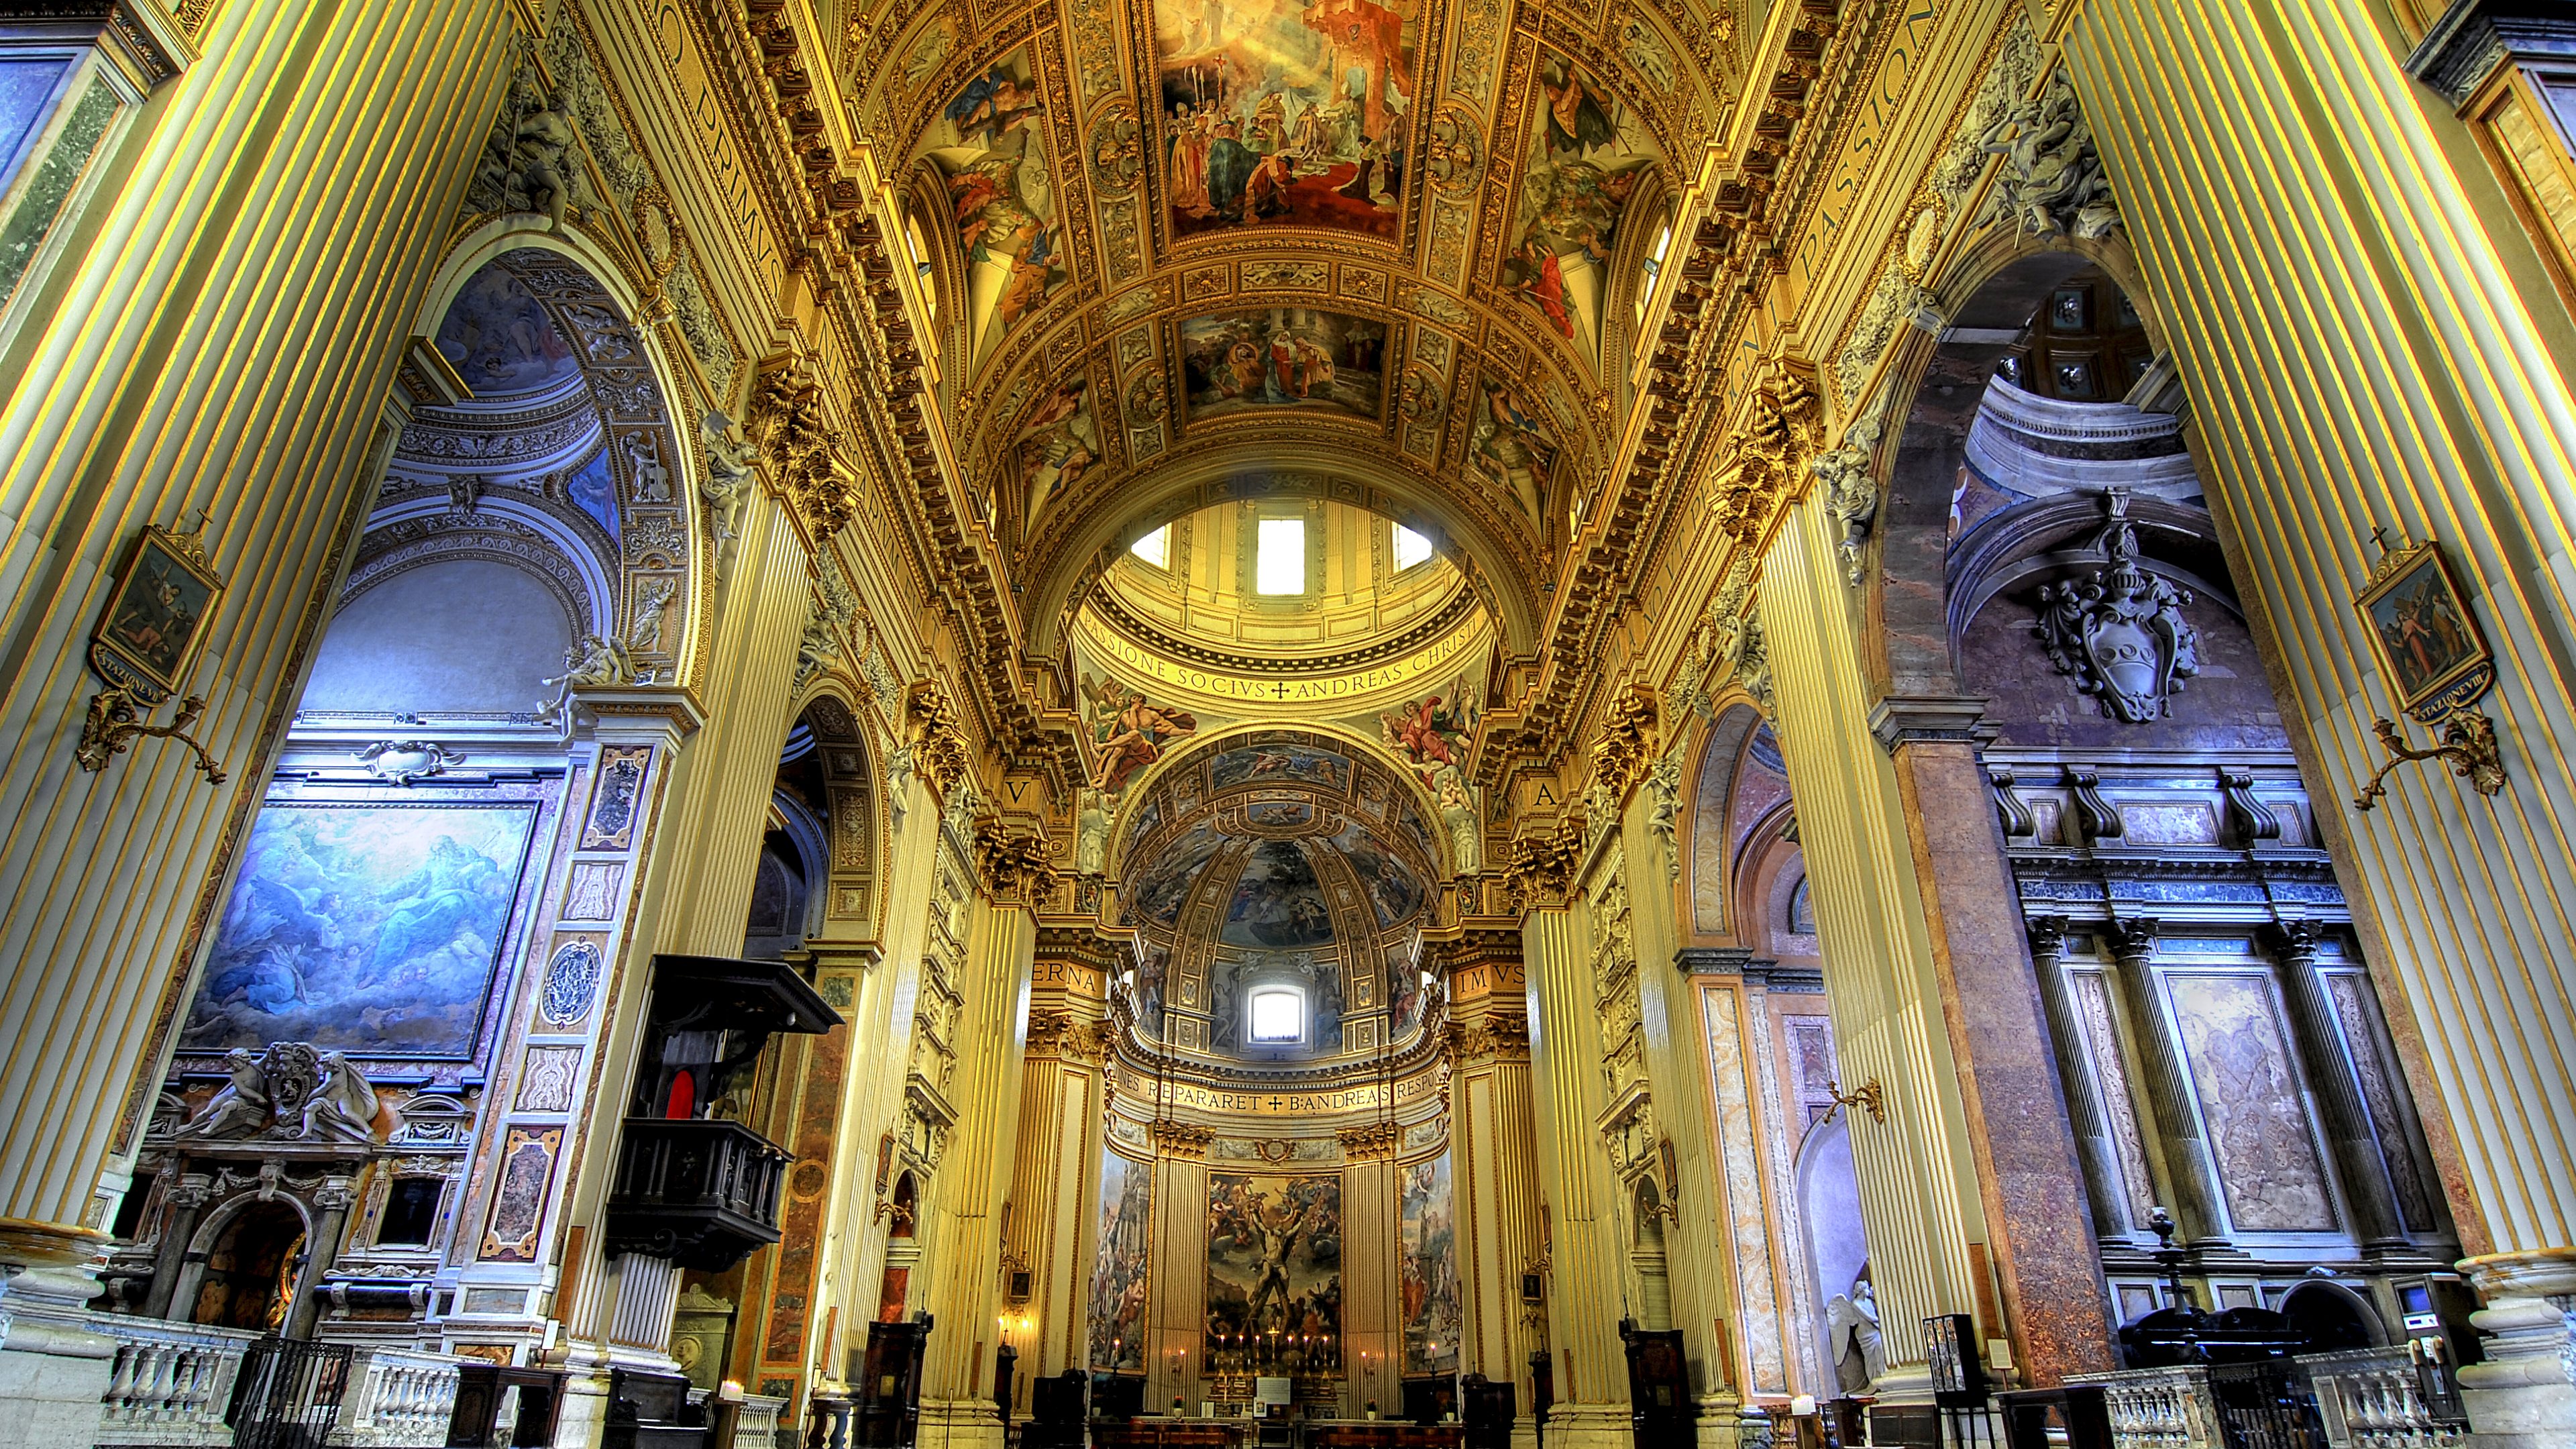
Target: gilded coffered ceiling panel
[(1407, 241)]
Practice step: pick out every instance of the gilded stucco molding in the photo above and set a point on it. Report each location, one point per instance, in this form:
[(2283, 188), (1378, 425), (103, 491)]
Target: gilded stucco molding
[(1539, 869)]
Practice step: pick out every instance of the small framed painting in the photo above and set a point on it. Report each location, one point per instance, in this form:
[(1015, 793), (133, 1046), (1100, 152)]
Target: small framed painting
[(2437, 660), (156, 614)]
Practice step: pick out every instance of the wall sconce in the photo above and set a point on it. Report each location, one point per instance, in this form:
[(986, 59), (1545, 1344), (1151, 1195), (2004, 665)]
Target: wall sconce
[(1870, 1098)]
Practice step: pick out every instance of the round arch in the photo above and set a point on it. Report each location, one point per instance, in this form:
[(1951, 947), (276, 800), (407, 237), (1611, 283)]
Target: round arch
[(676, 447), (857, 843), (1149, 781), (1932, 397)]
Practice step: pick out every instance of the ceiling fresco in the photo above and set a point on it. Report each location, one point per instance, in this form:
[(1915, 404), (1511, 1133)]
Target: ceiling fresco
[(1388, 244)]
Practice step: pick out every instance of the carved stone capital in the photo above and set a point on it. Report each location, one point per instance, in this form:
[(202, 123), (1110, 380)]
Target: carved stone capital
[(1374, 1142), (1539, 869), (936, 745), (1182, 1139), (1627, 741), (1763, 460), (1015, 864)]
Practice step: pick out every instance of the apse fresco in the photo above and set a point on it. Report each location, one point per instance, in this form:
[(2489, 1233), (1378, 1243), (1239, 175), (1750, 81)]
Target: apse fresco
[(1057, 443), (499, 339), (1587, 154), (1427, 1269), (1288, 357), (1284, 113), (1274, 1257), (1511, 449), (990, 145), (368, 929), (1280, 761), (1394, 891), (1159, 892), (1277, 901), (1118, 1275)]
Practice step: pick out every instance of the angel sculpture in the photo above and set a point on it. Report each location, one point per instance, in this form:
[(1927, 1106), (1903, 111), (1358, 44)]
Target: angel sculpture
[(592, 662), (242, 1104), (343, 1103)]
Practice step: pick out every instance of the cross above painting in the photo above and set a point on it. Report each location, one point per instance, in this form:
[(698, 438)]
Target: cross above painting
[(1281, 113)]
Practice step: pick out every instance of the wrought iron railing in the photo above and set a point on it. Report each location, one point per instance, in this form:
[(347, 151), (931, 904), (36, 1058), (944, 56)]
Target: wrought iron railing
[(288, 1393)]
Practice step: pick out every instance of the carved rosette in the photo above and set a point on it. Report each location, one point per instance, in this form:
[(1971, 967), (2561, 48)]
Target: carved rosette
[(1539, 869), (1763, 458), (937, 745)]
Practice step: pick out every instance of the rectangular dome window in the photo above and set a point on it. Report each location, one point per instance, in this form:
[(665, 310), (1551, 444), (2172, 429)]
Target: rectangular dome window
[(1280, 566), (1410, 548), (1277, 1016)]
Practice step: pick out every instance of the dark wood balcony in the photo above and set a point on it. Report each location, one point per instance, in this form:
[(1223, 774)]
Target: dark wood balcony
[(702, 1192)]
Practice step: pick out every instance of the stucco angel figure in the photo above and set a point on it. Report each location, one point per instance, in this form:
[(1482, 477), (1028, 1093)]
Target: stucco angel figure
[(241, 1105), (587, 665), (343, 1103), (728, 480)]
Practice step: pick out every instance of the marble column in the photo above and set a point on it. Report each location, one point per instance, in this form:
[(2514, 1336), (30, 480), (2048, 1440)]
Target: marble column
[(1584, 1250), (2366, 1186), (2199, 1222), (263, 230), (2083, 1094), (961, 1227), (331, 1222), (1054, 1185), (2011, 1098)]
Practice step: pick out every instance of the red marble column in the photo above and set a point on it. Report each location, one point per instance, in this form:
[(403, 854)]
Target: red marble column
[(2038, 1217)]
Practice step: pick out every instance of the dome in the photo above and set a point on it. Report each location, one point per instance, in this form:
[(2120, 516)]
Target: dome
[(1277, 883)]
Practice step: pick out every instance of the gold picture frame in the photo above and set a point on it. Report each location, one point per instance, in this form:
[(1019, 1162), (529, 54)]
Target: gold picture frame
[(158, 608), (2431, 651)]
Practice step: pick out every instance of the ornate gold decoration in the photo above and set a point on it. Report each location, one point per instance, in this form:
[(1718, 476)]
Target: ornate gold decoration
[(1767, 453), (2468, 742), (1181, 1139), (938, 747), (788, 424), (1014, 864), (1540, 868), (2437, 660), (115, 722), (1870, 1097), (1370, 1143), (1627, 741)]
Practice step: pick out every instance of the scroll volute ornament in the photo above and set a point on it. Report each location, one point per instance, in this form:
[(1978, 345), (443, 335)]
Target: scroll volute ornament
[(931, 733), (1762, 460), (1627, 741)]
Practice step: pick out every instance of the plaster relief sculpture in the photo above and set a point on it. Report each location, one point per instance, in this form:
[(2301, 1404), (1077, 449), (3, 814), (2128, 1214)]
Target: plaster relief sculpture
[(2052, 182), (342, 1103), (241, 1106), (1851, 492), (290, 1090), (399, 762), (2120, 635), (587, 665), (727, 486)]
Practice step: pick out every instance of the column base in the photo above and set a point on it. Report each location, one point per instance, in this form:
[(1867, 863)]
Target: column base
[(960, 1424), (1589, 1426), (54, 1368), (2524, 1395)]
